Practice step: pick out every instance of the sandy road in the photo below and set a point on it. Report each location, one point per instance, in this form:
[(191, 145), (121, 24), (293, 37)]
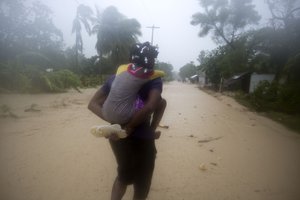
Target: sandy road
[(214, 149)]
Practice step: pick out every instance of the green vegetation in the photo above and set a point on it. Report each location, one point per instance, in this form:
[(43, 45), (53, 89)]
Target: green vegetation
[(31, 78), (33, 57), (60, 80), (116, 34), (188, 70), (275, 110), (167, 68), (290, 121), (32, 54), (272, 49)]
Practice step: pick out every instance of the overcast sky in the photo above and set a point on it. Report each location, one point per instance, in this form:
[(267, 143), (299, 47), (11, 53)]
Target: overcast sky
[(178, 41)]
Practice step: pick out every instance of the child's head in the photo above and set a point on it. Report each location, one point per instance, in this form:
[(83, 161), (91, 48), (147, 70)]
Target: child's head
[(143, 54)]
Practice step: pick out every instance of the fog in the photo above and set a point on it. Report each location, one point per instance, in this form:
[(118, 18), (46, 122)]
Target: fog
[(177, 39)]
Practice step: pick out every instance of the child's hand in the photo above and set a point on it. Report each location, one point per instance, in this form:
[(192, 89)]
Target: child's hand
[(128, 130)]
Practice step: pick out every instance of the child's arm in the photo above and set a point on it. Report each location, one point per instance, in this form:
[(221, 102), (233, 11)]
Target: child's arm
[(158, 114)]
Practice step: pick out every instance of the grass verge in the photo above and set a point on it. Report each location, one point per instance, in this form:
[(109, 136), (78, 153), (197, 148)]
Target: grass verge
[(290, 121)]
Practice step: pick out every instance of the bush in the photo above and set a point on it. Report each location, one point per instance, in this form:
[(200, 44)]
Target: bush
[(289, 98), (22, 82), (264, 96), (12, 78), (92, 81), (59, 81), (33, 79), (273, 96)]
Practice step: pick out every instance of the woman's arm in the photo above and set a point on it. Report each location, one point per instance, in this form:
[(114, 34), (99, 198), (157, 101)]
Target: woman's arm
[(95, 104), (152, 103)]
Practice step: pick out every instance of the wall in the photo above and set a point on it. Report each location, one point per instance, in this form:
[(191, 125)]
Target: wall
[(256, 78)]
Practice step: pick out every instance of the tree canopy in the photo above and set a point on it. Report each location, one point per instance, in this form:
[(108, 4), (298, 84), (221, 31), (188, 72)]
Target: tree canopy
[(27, 29), (167, 68), (226, 19), (115, 35), (31, 44), (188, 70), (274, 48)]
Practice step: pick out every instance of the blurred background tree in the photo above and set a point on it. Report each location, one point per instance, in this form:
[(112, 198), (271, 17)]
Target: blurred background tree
[(84, 16), (167, 68), (225, 19), (187, 71), (115, 36), (273, 48)]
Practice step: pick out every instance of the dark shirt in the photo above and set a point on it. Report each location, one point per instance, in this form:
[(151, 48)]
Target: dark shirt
[(142, 131)]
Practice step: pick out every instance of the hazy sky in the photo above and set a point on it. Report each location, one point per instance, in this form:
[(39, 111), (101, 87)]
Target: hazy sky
[(178, 41)]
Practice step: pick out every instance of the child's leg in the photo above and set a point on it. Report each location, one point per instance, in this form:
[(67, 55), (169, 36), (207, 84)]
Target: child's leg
[(158, 114)]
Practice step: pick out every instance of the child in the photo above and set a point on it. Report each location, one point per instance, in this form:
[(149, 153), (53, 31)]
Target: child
[(122, 101)]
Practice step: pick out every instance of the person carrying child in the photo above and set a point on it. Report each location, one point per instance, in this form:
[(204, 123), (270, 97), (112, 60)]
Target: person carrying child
[(123, 101)]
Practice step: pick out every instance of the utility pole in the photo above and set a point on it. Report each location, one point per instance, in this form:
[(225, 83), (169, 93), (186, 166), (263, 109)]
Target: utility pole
[(152, 27)]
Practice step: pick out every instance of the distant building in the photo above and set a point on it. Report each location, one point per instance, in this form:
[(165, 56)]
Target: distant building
[(194, 78), (199, 78), (246, 81), (257, 78), (238, 82)]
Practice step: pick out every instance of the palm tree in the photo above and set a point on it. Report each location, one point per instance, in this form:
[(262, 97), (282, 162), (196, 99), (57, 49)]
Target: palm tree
[(84, 15), (115, 35)]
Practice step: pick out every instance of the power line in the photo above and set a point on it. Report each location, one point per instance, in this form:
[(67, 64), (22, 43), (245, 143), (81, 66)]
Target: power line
[(152, 34)]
